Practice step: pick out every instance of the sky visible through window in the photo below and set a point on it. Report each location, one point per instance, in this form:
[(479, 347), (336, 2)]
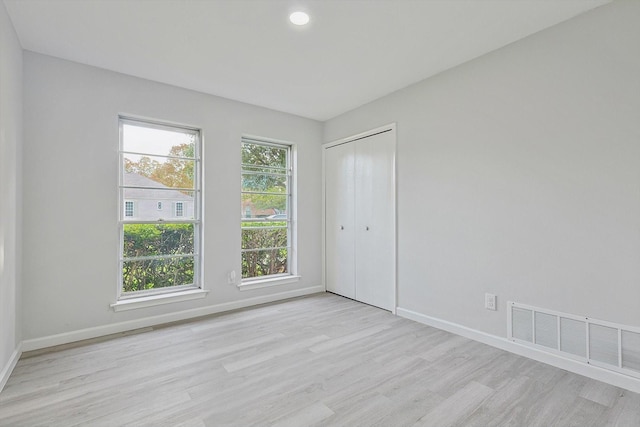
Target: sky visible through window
[(151, 141)]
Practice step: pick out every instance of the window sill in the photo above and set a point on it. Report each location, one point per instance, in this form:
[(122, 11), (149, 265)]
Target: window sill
[(152, 300), (265, 283)]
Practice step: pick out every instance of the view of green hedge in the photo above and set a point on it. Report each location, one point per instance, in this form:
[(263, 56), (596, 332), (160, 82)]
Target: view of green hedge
[(255, 235), (141, 240)]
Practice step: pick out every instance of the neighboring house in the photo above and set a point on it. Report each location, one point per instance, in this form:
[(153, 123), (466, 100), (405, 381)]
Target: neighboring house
[(157, 202), (248, 210)]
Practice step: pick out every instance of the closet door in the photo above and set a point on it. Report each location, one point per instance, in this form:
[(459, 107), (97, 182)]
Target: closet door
[(375, 220), (339, 220)]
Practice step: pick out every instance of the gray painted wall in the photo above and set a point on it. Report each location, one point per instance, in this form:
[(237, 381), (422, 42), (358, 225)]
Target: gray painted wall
[(519, 175), (10, 191), (71, 143)]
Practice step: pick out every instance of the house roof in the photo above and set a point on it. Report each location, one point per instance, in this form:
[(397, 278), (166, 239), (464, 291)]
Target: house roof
[(160, 192)]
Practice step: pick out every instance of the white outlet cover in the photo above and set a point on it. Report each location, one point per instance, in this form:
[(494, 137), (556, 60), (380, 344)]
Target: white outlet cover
[(490, 302)]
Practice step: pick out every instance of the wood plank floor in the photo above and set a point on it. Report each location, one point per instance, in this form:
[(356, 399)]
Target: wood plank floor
[(322, 360)]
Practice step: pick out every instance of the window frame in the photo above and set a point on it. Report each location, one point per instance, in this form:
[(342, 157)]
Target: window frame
[(178, 213), (291, 192), (128, 203), (197, 221)]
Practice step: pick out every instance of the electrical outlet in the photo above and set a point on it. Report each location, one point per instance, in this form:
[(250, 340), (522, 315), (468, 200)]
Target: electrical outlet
[(490, 302)]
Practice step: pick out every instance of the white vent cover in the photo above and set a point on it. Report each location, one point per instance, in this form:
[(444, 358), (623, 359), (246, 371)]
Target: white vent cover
[(573, 338), (597, 342), (631, 350)]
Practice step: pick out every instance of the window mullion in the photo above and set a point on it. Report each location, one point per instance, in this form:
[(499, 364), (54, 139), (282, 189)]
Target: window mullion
[(154, 257), (263, 192), (272, 248), (136, 153)]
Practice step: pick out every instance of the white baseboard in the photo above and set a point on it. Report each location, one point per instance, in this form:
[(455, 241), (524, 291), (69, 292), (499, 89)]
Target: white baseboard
[(8, 368), (115, 328), (600, 374)]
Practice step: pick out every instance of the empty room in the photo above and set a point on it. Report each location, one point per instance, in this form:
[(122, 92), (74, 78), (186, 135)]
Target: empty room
[(320, 213)]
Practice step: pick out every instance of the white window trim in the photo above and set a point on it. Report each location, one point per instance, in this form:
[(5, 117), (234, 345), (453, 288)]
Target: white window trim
[(267, 281), (179, 293), (292, 276), (158, 299)]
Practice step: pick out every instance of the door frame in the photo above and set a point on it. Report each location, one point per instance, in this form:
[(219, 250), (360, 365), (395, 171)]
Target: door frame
[(391, 127)]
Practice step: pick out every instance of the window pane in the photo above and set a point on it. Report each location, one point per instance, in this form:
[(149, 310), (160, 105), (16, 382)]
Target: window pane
[(268, 183), (264, 263), (179, 211), (150, 171), (263, 205), (263, 157), (160, 204), (142, 240), (264, 209), (258, 237), (159, 273), (128, 209), (164, 142)]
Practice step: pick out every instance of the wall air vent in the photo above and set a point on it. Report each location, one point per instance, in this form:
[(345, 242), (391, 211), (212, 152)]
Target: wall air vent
[(595, 342)]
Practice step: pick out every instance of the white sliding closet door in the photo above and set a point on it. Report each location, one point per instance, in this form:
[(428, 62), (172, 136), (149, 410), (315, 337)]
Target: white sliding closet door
[(360, 218), (339, 220), (375, 220)]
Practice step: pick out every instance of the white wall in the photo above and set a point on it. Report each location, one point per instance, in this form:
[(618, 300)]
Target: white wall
[(519, 175), (10, 198), (70, 193)]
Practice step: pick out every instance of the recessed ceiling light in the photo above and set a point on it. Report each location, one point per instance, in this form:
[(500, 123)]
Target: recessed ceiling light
[(299, 18)]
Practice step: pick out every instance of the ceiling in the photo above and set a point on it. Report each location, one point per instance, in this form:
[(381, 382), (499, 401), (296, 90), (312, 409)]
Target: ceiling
[(352, 51)]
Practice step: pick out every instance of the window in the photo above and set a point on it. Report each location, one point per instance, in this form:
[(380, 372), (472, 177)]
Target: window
[(128, 208), (158, 252), (266, 209)]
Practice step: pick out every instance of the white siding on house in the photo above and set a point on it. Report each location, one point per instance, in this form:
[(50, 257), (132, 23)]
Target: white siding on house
[(145, 202)]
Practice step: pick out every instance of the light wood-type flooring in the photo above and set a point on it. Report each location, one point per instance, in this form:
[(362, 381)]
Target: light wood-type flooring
[(321, 360)]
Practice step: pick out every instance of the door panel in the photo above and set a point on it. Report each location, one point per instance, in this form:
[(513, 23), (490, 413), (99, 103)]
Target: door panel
[(339, 220), (375, 220)]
